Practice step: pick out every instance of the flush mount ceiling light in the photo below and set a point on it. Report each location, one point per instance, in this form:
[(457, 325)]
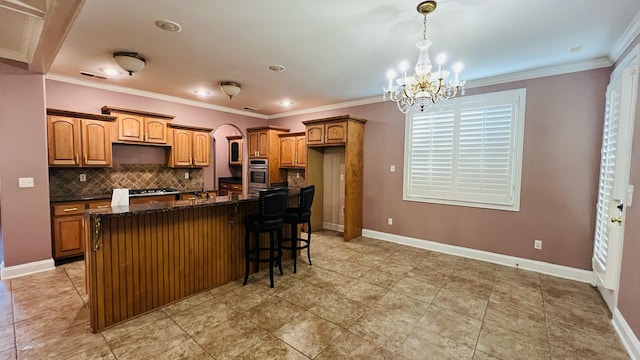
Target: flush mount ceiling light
[(168, 25), (202, 92), (277, 68), (425, 87), (129, 61), (286, 103), (110, 71), (230, 88)]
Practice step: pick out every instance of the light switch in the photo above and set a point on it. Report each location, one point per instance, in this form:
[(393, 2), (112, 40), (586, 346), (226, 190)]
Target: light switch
[(392, 168), (25, 182)]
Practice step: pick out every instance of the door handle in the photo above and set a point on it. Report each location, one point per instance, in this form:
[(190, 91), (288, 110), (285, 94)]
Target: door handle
[(616, 220)]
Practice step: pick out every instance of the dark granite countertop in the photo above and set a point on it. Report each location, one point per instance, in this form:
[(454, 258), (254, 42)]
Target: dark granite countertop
[(70, 198)]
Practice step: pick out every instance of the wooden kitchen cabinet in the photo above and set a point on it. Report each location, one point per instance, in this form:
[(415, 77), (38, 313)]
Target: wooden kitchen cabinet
[(229, 188), (264, 142), (344, 133), (190, 147), (79, 139), (235, 150), (68, 230), (293, 150), (330, 132), (135, 126)]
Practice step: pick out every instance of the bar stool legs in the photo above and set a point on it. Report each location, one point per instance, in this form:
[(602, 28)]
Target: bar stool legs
[(253, 254)]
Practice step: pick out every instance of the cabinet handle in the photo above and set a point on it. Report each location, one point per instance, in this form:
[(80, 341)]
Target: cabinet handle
[(103, 206), (70, 209)]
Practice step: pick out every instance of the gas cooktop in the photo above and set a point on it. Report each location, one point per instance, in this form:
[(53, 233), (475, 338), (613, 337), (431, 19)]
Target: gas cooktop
[(147, 192)]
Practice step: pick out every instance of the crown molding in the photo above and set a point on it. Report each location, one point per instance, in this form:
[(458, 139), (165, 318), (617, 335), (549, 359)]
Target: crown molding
[(541, 72), (630, 34), (153, 95), (342, 105)]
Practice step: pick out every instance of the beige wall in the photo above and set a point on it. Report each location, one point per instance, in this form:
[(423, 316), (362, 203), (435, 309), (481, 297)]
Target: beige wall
[(24, 212), (564, 116)]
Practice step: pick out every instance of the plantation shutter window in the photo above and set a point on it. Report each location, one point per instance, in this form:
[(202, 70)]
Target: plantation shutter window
[(467, 152)]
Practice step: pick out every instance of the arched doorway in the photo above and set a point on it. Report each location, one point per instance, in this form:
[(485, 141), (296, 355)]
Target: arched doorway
[(221, 166)]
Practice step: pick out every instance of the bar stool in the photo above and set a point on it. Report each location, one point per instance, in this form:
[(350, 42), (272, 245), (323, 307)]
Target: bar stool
[(273, 204), (296, 216)]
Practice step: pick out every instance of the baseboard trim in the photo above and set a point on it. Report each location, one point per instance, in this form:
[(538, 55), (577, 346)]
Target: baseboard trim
[(626, 335), (565, 272), (334, 227), (25, 269)]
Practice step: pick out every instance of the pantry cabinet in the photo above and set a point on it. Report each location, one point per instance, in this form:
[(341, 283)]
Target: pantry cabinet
[(79, 139), (330, 132)]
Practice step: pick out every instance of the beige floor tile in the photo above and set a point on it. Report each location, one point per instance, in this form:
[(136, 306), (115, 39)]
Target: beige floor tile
[(50, 322), (7, 337), (102, 352), (338, 309), (574, 342), (129, 326), (416, 288), (349, 268), (223, 289), (516, 319), (273, 313), (271, 348), (327, 279), (382, 328), (309, 334), (433, 277), (462, 302), (203, 316), (69, 301), (244, 298), (450, 325), (507, 344), (188, 350), (41, 279), (479, 355), (558, 310), (231, 338), (303, 294), (523, 298), (479, 287), (62, 345), (149, 342), (432, 346), (187, 303), (9, 354), (380, 278), (361, 291), (6, 314), (402, 306), (355, 347)]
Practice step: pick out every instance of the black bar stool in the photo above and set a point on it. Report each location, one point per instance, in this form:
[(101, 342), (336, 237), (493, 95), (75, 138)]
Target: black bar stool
[(296, 216), (273, 204)]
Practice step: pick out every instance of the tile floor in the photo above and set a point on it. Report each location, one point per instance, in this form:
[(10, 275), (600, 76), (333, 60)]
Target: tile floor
[(366, 299)]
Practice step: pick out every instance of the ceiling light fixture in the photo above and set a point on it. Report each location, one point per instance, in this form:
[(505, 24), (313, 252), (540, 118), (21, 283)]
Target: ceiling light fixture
[(202, 92), (230, 88), (277, 68), (168, 25), (286, 103), (129, 61), (425, 87), (110, 71)]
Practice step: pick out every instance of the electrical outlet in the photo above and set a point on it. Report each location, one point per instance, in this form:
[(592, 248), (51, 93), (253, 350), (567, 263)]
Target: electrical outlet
[(390, 221), (83, 177), (25, 182), (186, 175), (392, 168), (537, 244)]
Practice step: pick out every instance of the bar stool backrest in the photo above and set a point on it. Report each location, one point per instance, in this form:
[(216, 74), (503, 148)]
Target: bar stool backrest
[(306, 198), (273, 204)]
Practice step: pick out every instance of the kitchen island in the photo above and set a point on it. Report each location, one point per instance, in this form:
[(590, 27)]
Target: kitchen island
[(141, 257)]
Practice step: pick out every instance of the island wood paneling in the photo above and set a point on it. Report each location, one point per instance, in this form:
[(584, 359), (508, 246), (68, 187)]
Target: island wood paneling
[(150, 259)]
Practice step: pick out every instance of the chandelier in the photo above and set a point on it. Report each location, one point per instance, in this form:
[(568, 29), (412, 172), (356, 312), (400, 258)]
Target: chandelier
[(427, 86)]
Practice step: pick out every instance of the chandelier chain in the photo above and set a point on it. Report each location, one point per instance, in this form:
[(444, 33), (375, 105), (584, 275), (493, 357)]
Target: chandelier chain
[(424, 28)]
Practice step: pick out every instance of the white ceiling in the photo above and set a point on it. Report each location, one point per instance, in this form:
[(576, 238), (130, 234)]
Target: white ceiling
[(333, 50)]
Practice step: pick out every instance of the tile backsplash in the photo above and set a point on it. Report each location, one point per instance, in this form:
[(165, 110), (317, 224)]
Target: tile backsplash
[(66, 181)]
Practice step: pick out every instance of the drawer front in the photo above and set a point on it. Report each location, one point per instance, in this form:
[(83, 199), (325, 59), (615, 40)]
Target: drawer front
[(100, 204), (224, 185), (69, 209), (236, 187)]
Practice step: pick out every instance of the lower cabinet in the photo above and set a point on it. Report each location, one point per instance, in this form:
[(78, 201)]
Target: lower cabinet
[(227, 188)]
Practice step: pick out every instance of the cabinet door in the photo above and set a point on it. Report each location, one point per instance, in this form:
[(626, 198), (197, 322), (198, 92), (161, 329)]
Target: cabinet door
[(301, 151), (181, 149), (336, 132), (263, 143), (315, 134), (130, 128), (235, 152), (155, 131), (96, 143), (63, 137), (68, 236), (253, 144), (287, 151), (201, 148)]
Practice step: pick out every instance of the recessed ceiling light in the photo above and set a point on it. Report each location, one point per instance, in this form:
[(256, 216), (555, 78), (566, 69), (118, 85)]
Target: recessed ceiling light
[(286, 103), (575, 49), (110, 71), (202, 92), (169, 25), (276, 68)]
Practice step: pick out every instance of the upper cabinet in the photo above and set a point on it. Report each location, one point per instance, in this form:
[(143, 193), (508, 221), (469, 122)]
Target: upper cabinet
[(139, 126), (329, 132), (235, 150), (79, 139), (293, 150), (264, 142), (190, 146)]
